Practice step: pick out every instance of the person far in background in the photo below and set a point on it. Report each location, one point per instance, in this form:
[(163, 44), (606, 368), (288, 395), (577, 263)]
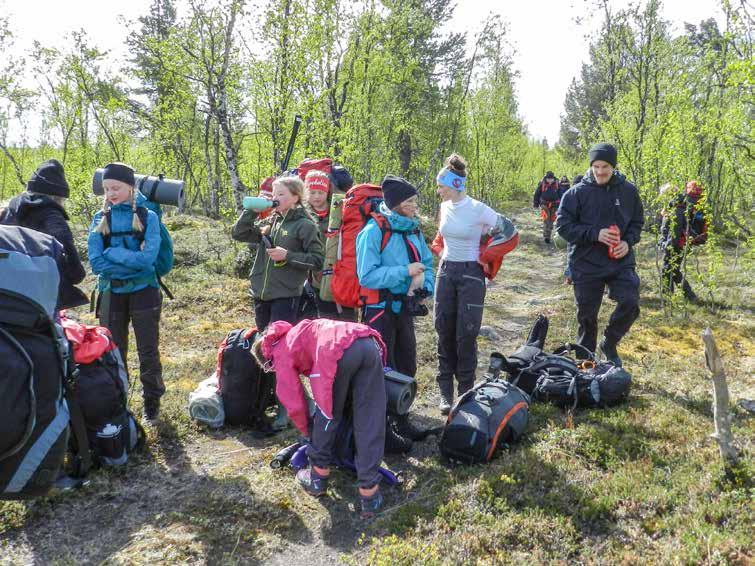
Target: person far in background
[(602, 220)]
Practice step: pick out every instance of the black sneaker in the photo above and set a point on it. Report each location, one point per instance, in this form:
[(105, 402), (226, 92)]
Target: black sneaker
[(151, 410), (609, 352), (446, 402), (395, 443), (371, 505)]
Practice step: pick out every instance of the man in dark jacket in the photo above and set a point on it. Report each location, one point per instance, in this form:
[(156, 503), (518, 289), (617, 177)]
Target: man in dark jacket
[(41, 208), (602, 217), (546, 197)]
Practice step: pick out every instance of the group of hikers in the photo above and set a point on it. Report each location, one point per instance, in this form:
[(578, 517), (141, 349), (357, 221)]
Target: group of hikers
[(600, 216)]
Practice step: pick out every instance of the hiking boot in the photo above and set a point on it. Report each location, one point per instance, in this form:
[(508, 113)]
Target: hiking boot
[(312, 482), (151, 411), (371, 504), (406, 429), (395, 443), (446, 402), (609, 352)]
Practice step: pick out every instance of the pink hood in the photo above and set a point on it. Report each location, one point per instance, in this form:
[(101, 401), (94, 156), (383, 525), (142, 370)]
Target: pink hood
[(311, 348)]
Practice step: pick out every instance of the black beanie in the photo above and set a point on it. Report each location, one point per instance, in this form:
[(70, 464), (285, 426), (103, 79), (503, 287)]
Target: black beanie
[(119, 172), (49, 179), (396, 190), (603, 152), (550, 175)]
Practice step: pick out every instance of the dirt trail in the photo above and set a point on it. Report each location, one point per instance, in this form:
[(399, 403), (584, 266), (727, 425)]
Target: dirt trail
[(210, 497)]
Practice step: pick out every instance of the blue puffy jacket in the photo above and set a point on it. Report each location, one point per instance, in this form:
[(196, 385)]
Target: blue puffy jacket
[(124, 261), (388, 269)]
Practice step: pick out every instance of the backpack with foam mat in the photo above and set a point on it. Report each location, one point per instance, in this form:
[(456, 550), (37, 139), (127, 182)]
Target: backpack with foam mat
[(603, 385), (492, 414), (36, 403), (246, 390)]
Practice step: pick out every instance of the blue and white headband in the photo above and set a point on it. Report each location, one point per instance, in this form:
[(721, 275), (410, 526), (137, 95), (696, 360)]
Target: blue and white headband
[(450, 179)]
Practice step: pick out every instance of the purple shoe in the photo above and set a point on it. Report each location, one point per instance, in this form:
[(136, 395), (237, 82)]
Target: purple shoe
[(371, 505), (313, 483)]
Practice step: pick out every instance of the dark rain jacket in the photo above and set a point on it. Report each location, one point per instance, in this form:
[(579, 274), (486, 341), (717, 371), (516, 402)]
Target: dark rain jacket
[(43, 214), (295, 231), (587, 208)]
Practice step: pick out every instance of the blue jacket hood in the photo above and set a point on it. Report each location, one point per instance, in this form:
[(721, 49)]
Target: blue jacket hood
[(398, 222)]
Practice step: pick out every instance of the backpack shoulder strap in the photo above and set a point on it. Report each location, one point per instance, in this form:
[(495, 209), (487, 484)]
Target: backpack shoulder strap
[(385, 228)]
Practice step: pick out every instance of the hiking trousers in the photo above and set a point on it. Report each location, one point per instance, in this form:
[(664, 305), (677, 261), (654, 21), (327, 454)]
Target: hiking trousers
[(359, 377), (624, 288), (397, 331), (672, 271), (142, 309), (548, 214), (266, 312), (459, 301)]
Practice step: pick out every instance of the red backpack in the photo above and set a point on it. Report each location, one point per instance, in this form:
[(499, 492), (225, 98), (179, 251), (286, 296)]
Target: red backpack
[(325, 165), (359, 205)]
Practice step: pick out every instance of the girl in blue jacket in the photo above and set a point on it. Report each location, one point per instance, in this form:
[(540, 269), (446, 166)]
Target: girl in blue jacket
[(123, 246), (403, 267)]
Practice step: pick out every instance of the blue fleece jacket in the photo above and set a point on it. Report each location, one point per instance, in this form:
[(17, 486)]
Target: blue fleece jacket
[(587, 208), (124, 260), (388, 269)]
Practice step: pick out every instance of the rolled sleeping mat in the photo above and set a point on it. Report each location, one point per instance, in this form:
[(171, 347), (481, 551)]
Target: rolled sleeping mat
[(400, 391), (331, 245), (157, 189), (284, 456)]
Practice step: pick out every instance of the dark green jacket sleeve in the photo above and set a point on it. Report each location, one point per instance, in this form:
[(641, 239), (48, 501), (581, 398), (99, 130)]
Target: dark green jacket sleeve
[(245, 230)]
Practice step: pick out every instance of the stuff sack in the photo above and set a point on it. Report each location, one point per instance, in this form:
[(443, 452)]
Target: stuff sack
[(206, 405), (246, 390), (488, 416), (604, 385), (34, 365)]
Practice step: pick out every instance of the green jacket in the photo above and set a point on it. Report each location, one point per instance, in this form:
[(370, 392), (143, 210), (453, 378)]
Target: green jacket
[(322, 225), (299, 235)]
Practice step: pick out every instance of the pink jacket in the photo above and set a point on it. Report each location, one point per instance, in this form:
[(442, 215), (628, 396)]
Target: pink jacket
[(311, 348)]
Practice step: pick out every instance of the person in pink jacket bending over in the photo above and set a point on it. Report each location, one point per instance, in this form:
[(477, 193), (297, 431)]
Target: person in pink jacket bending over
[(338, 358)]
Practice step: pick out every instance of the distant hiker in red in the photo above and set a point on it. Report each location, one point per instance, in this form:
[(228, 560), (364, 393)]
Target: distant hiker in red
[(684, 225), (343, 362), (547, 197)]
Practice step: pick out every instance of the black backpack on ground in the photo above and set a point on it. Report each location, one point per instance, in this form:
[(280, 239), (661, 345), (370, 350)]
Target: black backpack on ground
[(490, 415), (102, 394), (36, 401), (601, 386), (246, 390)]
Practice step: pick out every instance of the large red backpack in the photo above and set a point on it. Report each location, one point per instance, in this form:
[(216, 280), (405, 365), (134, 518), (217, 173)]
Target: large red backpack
[(359, 205)]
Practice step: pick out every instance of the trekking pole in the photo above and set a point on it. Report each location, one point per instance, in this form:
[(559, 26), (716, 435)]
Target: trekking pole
[(290, 150)]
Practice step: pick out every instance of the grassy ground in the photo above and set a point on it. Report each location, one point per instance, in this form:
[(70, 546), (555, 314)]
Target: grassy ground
[(640, 483)]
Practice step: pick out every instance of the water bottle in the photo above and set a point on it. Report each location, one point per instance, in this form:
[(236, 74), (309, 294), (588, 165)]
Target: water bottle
[(259, 204)]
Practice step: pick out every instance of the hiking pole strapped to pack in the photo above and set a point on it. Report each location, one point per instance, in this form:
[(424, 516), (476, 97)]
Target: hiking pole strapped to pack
[(291, 141)]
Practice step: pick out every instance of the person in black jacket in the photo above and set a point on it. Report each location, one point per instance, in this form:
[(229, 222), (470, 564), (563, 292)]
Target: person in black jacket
[(546, 197), (684, 225), (40, 208), (602, 217)]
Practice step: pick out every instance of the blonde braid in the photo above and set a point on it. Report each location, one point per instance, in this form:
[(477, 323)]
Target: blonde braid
[(136, 224), (102, 227)]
